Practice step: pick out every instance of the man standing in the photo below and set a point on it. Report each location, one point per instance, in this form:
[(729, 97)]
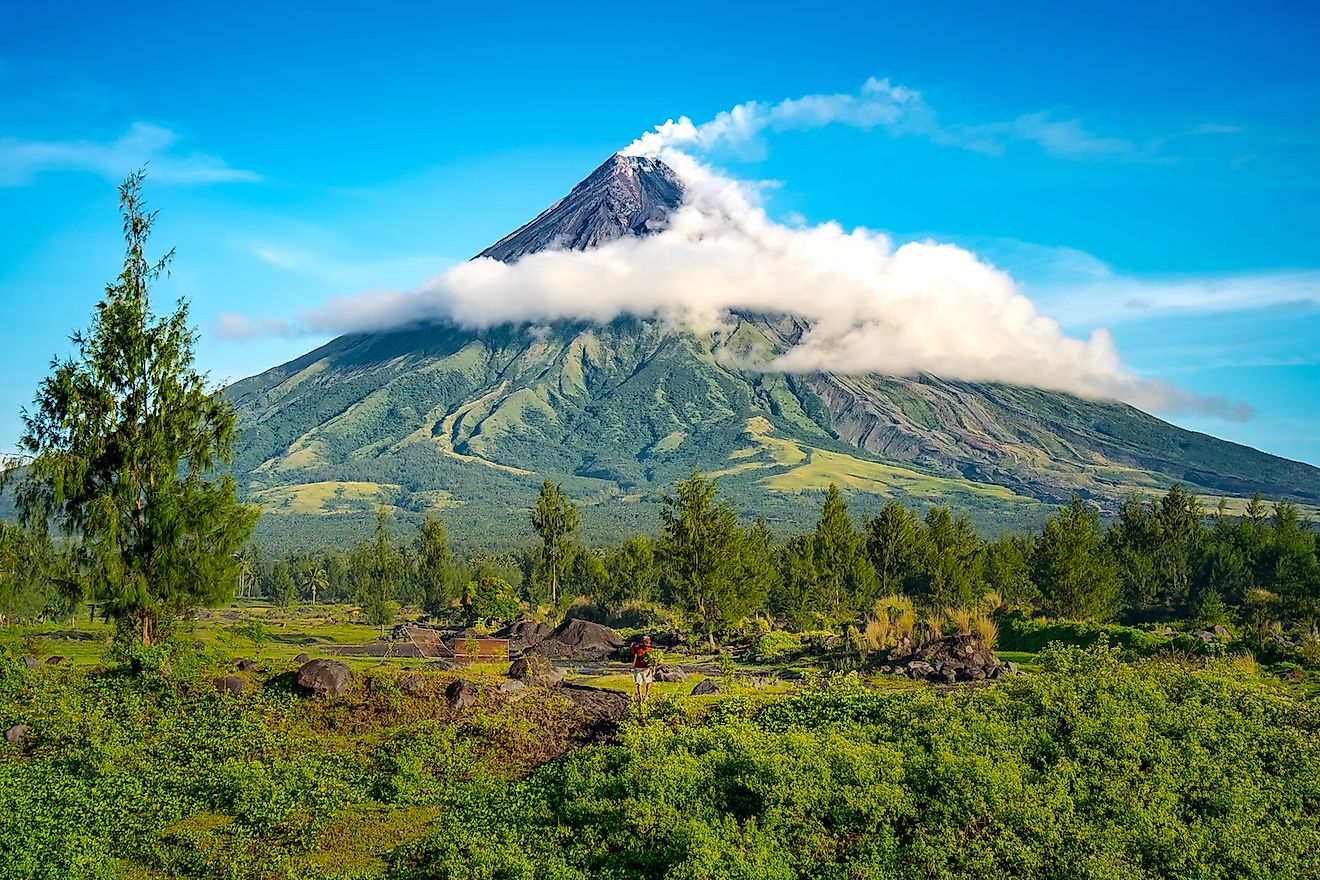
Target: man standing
[(643, 670)]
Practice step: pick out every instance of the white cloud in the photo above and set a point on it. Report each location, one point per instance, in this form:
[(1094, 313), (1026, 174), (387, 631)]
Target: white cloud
[(143, 144), (1082, 289), (879, 103), (873, 307)]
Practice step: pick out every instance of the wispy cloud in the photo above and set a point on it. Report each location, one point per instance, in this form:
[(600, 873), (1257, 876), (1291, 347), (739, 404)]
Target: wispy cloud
[(22, 160), (880, 104), (317, 264), (1081, 289)]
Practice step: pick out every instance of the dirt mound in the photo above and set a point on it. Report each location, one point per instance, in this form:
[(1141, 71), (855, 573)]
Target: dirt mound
[(525, 633), (579, 640)]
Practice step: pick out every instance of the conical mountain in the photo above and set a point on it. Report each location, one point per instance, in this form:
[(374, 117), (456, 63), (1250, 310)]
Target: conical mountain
[(438, 418)]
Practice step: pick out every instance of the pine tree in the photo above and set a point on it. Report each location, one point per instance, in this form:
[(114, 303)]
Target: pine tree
[(124, 438), (435, 567), (845, 579), (718, 573), (893, 543), (555, 519), (383, 570), (1072, 567)]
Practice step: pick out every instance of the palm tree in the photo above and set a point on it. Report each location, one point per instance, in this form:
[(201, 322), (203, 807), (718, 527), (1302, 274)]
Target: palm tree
[(315, 579)]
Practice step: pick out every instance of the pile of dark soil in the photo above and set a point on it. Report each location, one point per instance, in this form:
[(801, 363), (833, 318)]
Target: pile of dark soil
[(579, 640)]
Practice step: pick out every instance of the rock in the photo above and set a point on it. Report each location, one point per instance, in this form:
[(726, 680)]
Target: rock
[(17, 734), (708, 686), (948, 676), (1012, 668), (199, 646), (413, 684), (997, 673), (325, 678), (57, 660), (535, 670), (670, 674), (247, 665), (1204, 635), (233, 684), (885, 670), (602, 703), (510, 687), (461, 694), (302, 658), (1220, 630), (919, 669), (31, 662), (976, 673)]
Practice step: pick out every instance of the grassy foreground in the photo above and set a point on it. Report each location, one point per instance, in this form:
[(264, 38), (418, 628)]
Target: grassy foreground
[(1090, 768)]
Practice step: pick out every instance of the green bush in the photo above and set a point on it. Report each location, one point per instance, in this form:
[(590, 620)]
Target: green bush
[(776, 646)]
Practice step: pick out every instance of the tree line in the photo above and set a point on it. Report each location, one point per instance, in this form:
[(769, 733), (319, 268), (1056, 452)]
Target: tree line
[(1160, 559)]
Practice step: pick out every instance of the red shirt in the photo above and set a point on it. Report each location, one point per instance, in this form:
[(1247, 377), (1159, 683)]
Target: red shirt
[(639, 652)]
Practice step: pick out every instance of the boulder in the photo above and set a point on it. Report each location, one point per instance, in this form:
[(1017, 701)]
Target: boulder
[(601, 703), (302, 658), (919, 669), (461, 695), (535, 670), (1220, 630), (524, 634), (17, 734), (707, 686), (233, 684), (1012, 668), (325, 678), (670, 674), (948, 676), (57, 660), (1204, 635), (976, 673), (246, 665), (413, 684), (512, 687), (199, 646), (31, 662)]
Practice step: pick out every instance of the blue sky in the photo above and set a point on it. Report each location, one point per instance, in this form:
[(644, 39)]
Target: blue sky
[(1149, 168)]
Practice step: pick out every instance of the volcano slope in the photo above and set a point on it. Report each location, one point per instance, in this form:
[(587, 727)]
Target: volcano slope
[(437, 418)]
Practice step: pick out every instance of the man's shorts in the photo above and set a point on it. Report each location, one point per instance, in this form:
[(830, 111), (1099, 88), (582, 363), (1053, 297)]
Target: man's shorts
[(643, 675)]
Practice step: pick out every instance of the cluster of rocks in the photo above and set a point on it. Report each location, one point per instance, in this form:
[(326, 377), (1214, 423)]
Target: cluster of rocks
[(1216, 633), (952, 659)]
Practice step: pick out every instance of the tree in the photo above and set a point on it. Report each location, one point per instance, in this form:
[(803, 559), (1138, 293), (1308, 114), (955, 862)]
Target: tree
[(633, 573), (893, 542), (717, 573), (845, 579), (488, 598), (124, 437), (435, 567), (1007, 570), (314, 580), (1072, 567), (282, 585), (383, 568), (555, 519), (949, 570)]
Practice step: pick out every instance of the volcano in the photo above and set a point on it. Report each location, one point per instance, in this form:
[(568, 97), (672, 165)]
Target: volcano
[(439, 419)]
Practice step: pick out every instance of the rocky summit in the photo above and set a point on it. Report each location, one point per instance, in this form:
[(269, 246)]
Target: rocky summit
[(436, 418)]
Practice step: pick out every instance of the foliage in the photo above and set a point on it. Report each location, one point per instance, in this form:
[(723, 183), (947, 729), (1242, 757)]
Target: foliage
[(435, 568), (489, 598), (717, 572), (124, 436), (555, 519), (1091, 769), (382, 569), (1072, 568)]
